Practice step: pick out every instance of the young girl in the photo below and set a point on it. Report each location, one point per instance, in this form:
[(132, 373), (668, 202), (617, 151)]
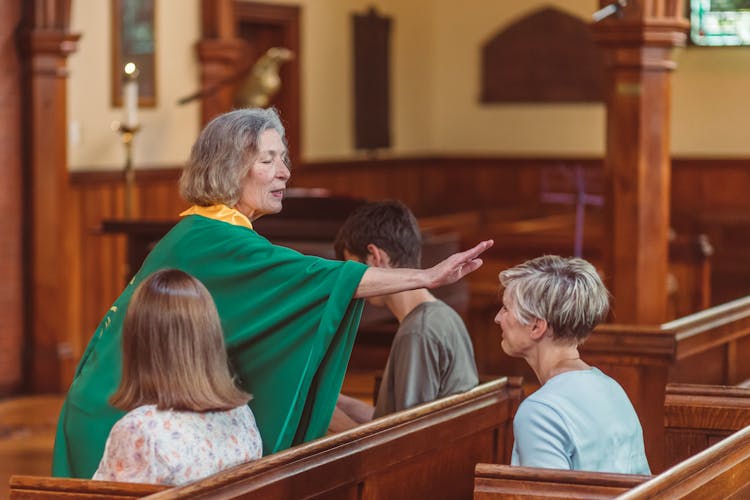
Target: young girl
[(186, 417)]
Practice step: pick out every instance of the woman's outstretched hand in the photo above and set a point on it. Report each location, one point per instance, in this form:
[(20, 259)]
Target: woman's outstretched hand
[(381, 281), (456, 266)]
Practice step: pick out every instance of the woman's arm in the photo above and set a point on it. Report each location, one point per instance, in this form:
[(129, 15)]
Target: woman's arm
[(382, 281)]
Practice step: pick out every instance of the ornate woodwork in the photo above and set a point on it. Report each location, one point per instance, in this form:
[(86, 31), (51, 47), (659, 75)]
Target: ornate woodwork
[(548, 56), (53, 264), (235, 34), (637, 48), (11, 202)]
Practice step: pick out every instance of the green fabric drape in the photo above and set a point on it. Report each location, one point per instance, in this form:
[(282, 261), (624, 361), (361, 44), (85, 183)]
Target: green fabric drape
[(289, 323)]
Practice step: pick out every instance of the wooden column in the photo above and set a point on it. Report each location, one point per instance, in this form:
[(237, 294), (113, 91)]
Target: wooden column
[(219, 52), (11, 206), (638, 45), (51, 256)]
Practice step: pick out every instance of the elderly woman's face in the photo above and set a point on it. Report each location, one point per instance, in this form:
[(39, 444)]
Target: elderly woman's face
[(516, 337), (263, 187)]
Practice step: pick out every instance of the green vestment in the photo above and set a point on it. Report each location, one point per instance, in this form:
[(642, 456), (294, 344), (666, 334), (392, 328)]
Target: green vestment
[(289, 323)]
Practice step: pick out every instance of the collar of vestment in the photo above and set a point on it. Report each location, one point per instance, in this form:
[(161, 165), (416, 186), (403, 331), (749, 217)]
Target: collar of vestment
[(220, 212)]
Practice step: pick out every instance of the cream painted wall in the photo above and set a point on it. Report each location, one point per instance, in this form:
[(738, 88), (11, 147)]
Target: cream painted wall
[(168, 130), (711, 102), (436, 46), (327, 84), (463, 125)]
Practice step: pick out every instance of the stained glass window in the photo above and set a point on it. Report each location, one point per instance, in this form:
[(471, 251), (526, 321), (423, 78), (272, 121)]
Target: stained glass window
[(720, 22)]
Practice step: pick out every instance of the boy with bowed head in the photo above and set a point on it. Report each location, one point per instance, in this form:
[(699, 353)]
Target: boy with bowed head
[(431, 356)]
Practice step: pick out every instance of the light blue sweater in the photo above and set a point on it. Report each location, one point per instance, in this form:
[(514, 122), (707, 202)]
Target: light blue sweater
[(580, 420)]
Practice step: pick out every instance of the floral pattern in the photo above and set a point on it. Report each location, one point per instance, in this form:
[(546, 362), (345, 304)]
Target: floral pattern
[(178, 447)]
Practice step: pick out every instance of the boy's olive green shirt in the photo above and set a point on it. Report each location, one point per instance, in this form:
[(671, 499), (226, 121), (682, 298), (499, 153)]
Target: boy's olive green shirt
[(289, 323)]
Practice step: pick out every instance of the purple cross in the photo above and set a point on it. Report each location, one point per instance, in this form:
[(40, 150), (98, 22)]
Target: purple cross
[(580, 198)]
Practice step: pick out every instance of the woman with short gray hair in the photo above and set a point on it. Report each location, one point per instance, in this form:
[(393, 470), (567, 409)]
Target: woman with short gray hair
[(580, 418), (289, 319)]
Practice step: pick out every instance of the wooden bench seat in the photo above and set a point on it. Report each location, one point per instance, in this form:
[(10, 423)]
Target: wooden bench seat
[(426, 452)]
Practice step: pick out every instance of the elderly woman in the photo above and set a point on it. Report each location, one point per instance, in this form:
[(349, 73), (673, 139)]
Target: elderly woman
[(580, 418), (289, 319)]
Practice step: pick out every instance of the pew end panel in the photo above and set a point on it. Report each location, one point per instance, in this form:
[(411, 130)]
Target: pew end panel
[(494, 482)]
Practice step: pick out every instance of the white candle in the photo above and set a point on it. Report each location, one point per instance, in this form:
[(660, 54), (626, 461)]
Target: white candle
[(130, 95)]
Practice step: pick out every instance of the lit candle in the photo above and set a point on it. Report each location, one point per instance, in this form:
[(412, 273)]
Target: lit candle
[(130, 95)]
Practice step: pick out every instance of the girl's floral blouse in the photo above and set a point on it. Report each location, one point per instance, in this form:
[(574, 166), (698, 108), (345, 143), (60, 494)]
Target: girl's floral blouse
[(177, 447)]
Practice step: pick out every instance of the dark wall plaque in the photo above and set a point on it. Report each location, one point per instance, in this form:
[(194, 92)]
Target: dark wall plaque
[(371, 80)]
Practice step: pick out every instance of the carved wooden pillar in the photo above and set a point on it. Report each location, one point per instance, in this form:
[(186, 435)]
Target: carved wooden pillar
[(219, 53), (638, 45), (11, 205), (51, 249)]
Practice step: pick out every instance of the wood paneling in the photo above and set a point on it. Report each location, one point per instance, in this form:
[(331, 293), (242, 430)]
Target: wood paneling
[(103, 272), (429, 185), (11, 202), (547, 56)]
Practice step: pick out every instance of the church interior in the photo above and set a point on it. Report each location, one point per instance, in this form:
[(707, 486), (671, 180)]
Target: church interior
[(623, 140)]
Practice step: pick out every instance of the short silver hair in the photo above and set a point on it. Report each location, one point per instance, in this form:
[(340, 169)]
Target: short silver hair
[(566, 292), (223, 154)]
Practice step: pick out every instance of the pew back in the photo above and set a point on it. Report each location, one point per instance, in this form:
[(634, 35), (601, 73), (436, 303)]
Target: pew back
[(698, 416), (721, 471), (425, 452), (492, 482)]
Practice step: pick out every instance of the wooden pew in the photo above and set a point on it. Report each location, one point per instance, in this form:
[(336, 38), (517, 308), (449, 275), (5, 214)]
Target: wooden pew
[(721, 471), (698, 416), (27, 435), (709, 347), (494, 482), (426, 452)]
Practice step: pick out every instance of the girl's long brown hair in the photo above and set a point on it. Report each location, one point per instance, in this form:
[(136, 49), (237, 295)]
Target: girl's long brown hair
[(173, 352)]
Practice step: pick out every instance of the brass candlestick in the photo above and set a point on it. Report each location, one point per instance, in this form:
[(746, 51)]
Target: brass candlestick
[(127, 134), (128, 128)]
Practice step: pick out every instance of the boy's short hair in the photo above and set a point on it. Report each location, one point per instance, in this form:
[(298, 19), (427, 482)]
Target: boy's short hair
[(389, 225)]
